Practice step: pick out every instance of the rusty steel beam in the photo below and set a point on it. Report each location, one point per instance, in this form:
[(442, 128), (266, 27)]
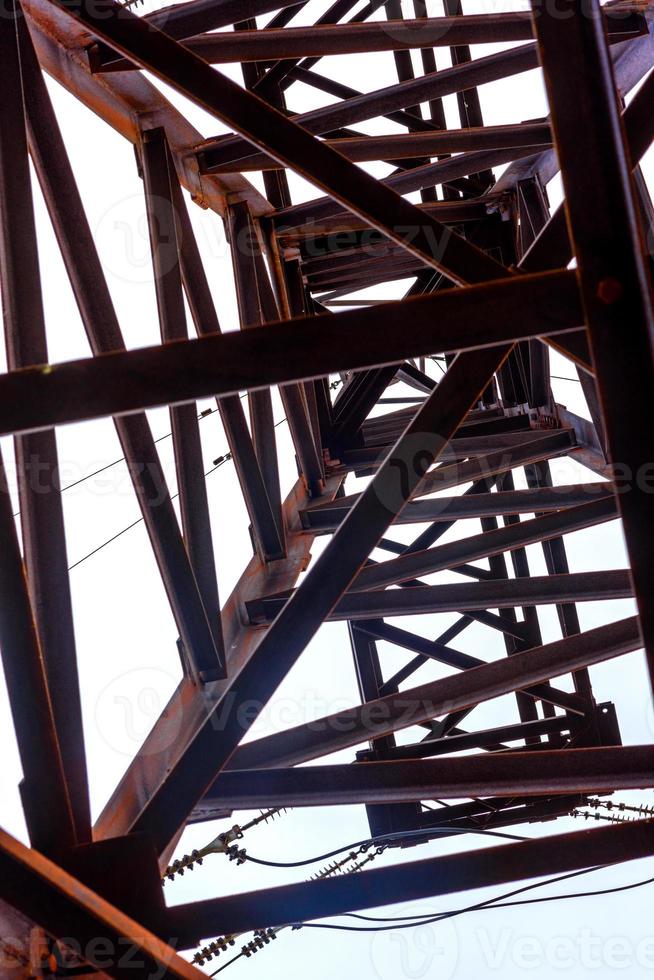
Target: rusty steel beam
[(365, 459), (614, 273), (491, 594), (271, 130), (432, 700), (490, 739), (209, 748), (44, 789), (187, 445), (37, 463), (411, 881), (591, 770), (325, 518), (203, 311), (108, 939), (343, 227), (123, 101), (623, 21), (398, 146), (497, 812), (123, 382), (103, 332), (477, 546)]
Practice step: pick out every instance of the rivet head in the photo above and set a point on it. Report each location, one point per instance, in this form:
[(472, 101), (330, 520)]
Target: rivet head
[(609, 291)]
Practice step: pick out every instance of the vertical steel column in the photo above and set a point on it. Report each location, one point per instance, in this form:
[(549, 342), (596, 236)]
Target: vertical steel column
[(187, 445), (243, 242), (520, 564), (46, 802), (534, 215), (289, 287), (497, 564), (436, 107), (607, 239), (258, 306), (383, 818), (540, 475), (275, 182), (468, 100), (404, 71), (203, 311), (89, 285), (322, 587), (42, 521)]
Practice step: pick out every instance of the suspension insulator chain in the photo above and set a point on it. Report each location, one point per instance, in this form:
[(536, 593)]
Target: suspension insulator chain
[(218, 946), (609, 817), (641, 811), (222, 844), (262, 937), (331, 869)]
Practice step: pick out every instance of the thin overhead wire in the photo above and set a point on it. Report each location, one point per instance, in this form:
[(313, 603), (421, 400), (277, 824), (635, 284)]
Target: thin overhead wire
[(173, 496), (369, 842), (496, 903), (121, 459)]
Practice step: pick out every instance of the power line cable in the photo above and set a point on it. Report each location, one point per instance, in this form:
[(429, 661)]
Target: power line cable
[(492, 903), (369, 842), (495, 903), (89, 476), (424, 918), (108, 466), (173, 496)]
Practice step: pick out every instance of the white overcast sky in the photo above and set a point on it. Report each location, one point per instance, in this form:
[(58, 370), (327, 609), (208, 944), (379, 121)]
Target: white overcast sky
[(126, 636)]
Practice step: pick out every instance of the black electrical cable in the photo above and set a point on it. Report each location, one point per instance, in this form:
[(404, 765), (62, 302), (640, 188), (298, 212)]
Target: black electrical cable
[(497, 898), (225, 965), (173, 496), (115, 462), (382, 838), (590, 894), (492, 903), (108, 466), (104, 544), (139, 520), (496, 903)]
